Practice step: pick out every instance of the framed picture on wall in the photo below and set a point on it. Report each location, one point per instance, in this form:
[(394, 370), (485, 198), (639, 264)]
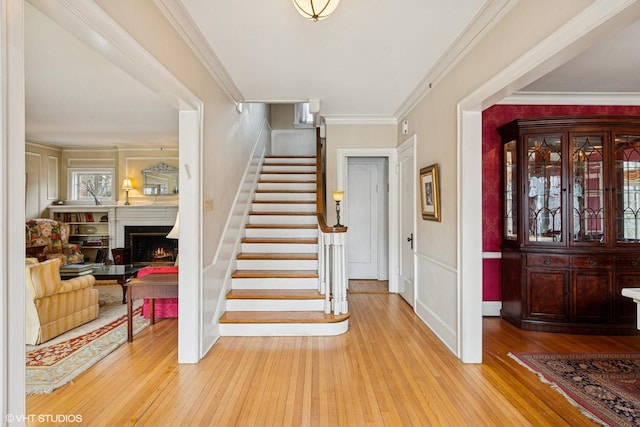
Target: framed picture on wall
[(430, 193)]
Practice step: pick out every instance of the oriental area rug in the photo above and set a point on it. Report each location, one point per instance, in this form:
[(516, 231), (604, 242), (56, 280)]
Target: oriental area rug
[(604, 386), (57, 362)]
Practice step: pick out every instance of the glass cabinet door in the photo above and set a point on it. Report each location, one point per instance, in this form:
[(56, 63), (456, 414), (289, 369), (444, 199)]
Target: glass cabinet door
[(587, 191), (544, 184), (627, 193), (510, 191)]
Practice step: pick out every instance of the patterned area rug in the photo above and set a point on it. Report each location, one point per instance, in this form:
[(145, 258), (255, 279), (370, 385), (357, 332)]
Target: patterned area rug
[(605, 386), (55, 363)]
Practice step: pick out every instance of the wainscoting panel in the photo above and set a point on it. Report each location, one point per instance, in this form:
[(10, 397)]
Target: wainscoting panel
[(436, 286)]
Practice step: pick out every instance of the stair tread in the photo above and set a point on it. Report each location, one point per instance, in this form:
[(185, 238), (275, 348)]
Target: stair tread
[(287, 172), (286, 202), (287, 156), (295, 226), (277, 213), (288, 164), (287, 181), (281, 317), (278, 256), (286, 191), (275, 274), (274, 294), (284, 240)]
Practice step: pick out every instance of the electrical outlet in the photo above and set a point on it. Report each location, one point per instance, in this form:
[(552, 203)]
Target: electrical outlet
[(208, 204)]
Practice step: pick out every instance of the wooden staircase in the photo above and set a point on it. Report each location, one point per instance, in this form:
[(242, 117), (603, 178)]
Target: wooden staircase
[(274, 290)]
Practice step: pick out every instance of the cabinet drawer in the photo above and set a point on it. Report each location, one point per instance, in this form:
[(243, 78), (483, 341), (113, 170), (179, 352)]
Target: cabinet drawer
[(628, 262), (591, 262), (556, 261)]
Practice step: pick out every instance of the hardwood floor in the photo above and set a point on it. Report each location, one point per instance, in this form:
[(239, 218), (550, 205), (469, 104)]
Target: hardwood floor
[(389, 369)]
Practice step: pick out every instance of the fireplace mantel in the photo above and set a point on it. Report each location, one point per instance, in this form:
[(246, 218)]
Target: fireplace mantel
[(141, 215)]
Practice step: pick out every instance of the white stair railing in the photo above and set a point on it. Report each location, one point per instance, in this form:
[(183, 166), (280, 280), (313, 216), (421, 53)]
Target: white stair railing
[(332, 268), (332, 250)]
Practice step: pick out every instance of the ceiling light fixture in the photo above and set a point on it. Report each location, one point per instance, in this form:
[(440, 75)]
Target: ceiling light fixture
[(315, 9)]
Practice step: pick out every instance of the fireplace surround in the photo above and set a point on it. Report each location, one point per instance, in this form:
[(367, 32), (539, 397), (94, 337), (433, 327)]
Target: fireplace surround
[(149, 244)]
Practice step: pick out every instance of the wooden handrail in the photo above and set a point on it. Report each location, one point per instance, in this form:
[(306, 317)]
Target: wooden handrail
[(322, 222)]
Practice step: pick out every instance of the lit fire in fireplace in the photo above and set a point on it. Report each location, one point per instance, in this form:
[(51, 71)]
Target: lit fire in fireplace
[(160, 254)]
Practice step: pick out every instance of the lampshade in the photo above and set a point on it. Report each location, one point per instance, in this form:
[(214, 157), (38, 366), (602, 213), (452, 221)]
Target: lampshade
[(315, 10), (126, 184), (175, 231), (338, 195)]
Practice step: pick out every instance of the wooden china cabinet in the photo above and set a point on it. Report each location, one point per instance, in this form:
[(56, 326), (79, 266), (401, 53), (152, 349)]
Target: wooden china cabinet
[(571, 225)]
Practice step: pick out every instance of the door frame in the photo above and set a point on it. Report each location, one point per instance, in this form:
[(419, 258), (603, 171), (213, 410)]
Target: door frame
[(409, 144), (391, 154)]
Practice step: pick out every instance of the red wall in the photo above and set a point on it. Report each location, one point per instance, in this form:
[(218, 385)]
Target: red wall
[(492, 118)]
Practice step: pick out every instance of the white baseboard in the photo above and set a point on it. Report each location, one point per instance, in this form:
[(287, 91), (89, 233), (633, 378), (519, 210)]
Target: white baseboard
[(491, 308)]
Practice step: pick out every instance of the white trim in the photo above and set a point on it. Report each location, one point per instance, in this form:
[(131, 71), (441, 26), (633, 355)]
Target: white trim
[(572, 98), (411, 145), (43, 145), (469, 242), (491, 308), (12, 209), (53, 177), (181, 20), (491, 255), (490, 14), (342, 155), (191, 326)]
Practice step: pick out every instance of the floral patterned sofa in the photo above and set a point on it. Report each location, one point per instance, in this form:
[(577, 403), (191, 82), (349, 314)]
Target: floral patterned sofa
[(54, 306), (54, 235)]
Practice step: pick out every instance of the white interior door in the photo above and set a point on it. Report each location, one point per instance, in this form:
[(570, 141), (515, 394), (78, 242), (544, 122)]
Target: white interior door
[(406, 284), (366, 218)]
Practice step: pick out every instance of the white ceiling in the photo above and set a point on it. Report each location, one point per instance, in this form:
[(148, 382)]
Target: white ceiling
[(363, 61)]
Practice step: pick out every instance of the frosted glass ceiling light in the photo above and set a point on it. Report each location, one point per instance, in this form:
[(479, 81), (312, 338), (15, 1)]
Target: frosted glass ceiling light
[(315, 9)]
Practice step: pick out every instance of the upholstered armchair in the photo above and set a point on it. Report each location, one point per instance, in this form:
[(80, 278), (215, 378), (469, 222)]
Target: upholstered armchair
[(54, 306), (54, 236)]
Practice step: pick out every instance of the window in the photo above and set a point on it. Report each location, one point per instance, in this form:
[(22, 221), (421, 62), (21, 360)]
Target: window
[(91, 184), (302, 117)]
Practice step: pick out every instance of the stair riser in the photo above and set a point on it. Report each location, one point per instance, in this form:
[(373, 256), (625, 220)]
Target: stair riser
[(275, 283), (281, 233), (286, 186), (266, 168), (283, 248), (285, 196), (275, 305), (283, 219), (270, 264), (284, 207), (283, 329), (288, 176), (291, 160)]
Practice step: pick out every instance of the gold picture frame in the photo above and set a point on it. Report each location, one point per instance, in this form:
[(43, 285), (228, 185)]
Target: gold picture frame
[(430, 193)]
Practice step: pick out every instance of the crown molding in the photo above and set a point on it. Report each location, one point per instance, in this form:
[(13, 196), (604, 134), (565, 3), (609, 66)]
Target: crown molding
[(486, 18), (178, 16), (335, 119), (43, 145), (572, 98)]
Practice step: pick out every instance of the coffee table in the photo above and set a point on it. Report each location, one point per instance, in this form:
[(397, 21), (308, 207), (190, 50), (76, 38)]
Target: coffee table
[(121, 273), (151, 286)]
